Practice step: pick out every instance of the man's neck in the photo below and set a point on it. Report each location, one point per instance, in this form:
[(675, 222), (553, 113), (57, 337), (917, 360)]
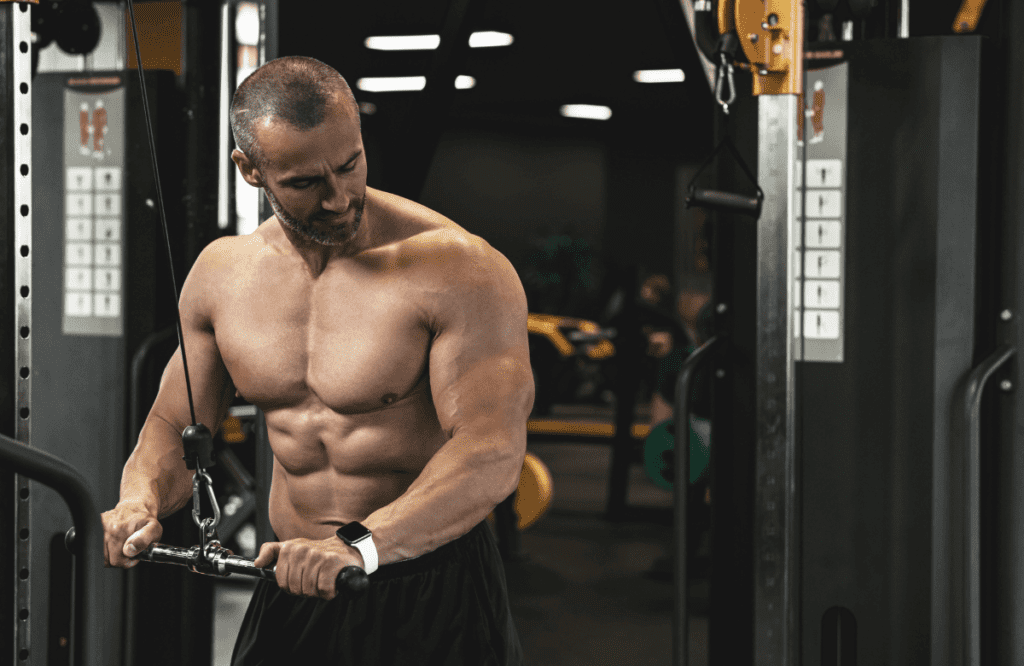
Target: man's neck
[(318, 256)]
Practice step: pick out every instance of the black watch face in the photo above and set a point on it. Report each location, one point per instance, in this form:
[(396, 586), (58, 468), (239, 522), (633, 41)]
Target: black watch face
[(353, 532)]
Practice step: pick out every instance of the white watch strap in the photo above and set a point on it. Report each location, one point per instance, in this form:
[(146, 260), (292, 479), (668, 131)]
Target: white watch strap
[(368, 550)]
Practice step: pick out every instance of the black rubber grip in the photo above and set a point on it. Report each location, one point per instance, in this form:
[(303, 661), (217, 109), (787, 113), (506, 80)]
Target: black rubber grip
[(727, 201)]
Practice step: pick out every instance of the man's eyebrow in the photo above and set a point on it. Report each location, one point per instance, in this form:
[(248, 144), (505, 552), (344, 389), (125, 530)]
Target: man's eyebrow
[(293, 179)]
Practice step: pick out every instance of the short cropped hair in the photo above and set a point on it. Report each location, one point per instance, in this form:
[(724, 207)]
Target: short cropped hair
[(296, 89)]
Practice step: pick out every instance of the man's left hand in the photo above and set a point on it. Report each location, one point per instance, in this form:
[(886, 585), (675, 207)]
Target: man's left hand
[(309, 568)]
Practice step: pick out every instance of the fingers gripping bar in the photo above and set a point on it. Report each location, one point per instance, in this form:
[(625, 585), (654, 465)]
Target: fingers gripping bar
[(216, 560)]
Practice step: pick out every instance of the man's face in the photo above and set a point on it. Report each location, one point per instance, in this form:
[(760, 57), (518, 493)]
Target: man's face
[(316, 179)]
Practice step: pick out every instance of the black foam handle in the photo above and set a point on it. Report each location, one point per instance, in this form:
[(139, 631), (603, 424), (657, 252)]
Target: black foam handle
[(354, 578), (727, 201)]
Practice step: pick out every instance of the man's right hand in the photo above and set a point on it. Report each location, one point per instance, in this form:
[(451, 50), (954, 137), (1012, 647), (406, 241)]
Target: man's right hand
[(128, 529)]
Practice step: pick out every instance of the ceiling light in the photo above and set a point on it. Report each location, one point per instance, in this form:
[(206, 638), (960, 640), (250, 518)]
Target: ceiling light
[(590, 111), (477, 40), (487, 38), (463, 82), (391, 83), (659, 76), (403, 42)]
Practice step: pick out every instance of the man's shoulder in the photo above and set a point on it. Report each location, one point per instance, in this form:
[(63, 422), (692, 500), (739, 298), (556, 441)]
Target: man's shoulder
[(230, 252), (427, 237)]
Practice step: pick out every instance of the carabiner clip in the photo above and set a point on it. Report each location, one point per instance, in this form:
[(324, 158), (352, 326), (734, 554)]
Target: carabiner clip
[(200, 478)]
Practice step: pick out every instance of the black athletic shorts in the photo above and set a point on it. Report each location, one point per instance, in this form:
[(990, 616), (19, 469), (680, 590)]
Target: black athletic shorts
[(448, 607)]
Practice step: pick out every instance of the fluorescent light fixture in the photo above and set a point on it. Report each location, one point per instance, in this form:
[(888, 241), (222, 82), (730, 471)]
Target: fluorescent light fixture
[(659, 76), (463, 82), (403, 42), (589, 111), (488, 38), (477, 40), (391, 83)]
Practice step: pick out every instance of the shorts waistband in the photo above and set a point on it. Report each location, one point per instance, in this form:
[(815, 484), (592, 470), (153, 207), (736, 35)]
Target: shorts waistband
[(426, 561)]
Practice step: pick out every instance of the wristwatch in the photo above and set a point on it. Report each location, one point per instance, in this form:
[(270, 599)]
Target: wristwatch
[(360, 538)]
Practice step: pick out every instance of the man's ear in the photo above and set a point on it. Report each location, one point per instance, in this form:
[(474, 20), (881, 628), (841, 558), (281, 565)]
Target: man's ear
[(246, 168)]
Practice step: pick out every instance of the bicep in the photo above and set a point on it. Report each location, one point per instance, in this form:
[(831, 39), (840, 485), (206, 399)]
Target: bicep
[(479, 360)]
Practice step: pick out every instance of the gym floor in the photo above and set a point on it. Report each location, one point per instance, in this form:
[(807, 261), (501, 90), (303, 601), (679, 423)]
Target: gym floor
[(584, 592)]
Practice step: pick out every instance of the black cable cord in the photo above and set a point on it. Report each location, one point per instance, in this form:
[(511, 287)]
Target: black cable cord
[(160, 207)]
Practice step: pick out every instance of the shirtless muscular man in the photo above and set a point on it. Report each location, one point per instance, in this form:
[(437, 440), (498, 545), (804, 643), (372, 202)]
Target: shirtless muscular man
[(388, 349)]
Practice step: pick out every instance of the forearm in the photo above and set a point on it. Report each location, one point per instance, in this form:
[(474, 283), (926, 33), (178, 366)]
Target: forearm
[(155, 475), (456, 490)]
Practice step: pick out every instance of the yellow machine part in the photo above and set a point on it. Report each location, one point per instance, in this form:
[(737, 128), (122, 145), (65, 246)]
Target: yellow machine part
[(533, 497), (231, 430), (967, 18), (771, 34)]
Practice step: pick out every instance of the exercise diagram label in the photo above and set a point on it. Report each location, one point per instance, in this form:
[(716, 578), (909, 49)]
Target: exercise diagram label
[(820, 271), (93, 213)]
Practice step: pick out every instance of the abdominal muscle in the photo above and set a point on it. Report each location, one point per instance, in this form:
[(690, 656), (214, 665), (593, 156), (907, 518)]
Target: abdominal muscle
[(332, 468)]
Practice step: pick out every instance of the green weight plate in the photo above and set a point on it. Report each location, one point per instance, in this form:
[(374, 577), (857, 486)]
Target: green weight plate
[(659, 448)]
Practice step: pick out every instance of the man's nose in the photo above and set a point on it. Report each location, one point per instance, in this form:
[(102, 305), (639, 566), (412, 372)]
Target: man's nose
[(336, 197)]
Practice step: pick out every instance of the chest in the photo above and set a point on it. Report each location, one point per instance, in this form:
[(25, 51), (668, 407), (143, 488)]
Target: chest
[(355, 343)]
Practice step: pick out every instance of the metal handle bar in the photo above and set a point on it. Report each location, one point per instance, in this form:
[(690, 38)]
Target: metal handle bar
[(680, 487), (72, 486), (970, 403), (219, 561), (727, 201)]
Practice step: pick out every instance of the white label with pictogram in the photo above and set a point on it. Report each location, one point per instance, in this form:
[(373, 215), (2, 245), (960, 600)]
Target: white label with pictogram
[(108, 204), (821, 324), (824, 203), (79, 179), (108, 254), (824, 173), (78, 303), (821, 294), (822, 264), (108, 179), (106, 305), (108, 229), (79, 229), (79, 254), (824, 233), (107, 279), (77, 279), (79, 205)]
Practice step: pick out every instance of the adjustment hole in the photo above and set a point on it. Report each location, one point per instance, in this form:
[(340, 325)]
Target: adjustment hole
[(23, 493), (24, 88), (23, 7), (23, 655), (24, 169), (24, 128), (24, 331), (24, 210), (23, 614), (23, 574), (24, 250), (23, 534), (24, 372), (24, 47), (24, 413), (24, 292)]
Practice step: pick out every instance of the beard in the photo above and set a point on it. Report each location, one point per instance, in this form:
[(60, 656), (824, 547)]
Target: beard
[(315, 229)]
